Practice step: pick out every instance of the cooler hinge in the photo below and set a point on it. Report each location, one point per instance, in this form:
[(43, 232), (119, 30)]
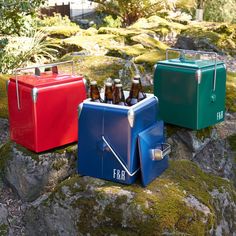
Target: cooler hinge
[(131, 117), (198, 76)]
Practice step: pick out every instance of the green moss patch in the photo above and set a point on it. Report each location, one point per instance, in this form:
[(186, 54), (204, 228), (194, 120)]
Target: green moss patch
[(150, 57), (61, 31), (150, 42), (97, 68), (94, 44), (5, 155), (232, 142), (231, 92), (3, 96), (3, 230), (160, 207)]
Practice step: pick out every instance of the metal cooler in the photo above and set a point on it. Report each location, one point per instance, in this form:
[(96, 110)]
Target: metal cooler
[(118, 143), (43, 107), (191, 92)]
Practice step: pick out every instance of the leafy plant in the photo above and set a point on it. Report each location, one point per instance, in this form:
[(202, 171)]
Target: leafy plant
[(16, 16), (111, 22), (55, 20), (21, 51)]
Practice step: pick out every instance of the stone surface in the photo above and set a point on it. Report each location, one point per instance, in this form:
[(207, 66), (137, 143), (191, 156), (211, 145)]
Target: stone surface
[(183, 200), (3, 220), (4, 133), (30, 174)]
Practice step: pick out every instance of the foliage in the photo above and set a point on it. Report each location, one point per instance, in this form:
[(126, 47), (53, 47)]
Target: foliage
[(3, 97), (111, 22), (131, 10), (55, 20), (21, 51), (16, 16), (220, 10)]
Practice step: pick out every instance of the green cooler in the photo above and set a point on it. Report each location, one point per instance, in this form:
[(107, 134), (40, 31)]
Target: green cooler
[(191, 91)]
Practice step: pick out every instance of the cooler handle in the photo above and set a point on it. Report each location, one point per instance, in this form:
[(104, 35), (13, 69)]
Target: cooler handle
[(118, 159), (158, 154), (182, 57), (37, 73)]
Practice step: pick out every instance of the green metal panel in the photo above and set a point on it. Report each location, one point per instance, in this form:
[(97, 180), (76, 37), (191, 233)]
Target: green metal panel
[(185, 90)]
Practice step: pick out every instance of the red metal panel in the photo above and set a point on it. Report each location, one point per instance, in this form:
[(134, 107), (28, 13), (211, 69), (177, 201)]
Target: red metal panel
[(50, 121)]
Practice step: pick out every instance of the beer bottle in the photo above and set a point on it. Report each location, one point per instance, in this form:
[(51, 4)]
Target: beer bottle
[(133, 94), (141, 94), (108, 96), (116, 81), (118, 95), (94, 92)]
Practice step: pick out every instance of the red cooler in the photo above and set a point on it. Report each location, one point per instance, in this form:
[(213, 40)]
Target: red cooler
[(43, 107)]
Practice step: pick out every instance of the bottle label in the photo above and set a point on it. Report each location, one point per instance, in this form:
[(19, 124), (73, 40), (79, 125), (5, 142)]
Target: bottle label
[(119, 174)]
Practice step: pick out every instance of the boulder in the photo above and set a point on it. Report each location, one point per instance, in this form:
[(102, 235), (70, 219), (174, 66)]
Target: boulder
[(30, 174), (3, 220), (183, 200)]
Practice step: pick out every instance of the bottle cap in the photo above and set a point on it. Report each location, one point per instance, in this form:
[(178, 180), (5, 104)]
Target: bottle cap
[(137, 76), (134, 81), (108, 84), (117, 81), (94, 82), (118, 85)]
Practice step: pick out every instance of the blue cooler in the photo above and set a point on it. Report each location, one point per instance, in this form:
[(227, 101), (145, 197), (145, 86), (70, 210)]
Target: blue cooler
[(117, 143)]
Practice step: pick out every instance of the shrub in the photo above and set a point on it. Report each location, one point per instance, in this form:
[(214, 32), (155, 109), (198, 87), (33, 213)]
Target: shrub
[(20, 51), (111, 22), (220, 10)]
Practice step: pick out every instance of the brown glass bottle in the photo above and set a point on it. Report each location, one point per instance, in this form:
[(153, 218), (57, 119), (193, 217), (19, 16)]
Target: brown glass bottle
[(94, 92), (116, 81), (141, 94), (118, 95), (133, 94), (108, 96)]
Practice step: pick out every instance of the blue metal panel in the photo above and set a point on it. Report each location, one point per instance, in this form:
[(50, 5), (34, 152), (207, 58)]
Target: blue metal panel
[(151, 143)]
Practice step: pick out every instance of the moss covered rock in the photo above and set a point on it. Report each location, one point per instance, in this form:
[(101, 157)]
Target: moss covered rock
[(30, 174), (96, 45), (3, 96), (61, 31), (183, 200), (100, 68), (231, 92)]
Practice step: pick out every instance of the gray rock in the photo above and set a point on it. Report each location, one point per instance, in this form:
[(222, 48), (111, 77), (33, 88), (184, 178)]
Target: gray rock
[(88, 206), (3, 220), (30, 174), (194, 144), (226, 208)]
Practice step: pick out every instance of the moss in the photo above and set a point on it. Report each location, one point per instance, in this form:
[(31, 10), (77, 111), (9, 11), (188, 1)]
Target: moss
[(58, 164), (156, 209), (171, 129), (94, 43), (5, 155), (204, 133), (97, 68), (61, 31), (27, 152), (150, 57), (232, 142), (126, 51), (3, 230), (3, 96), (231, 92), (150, 42)]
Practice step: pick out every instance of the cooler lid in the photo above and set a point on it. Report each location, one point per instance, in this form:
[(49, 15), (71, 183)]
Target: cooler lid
[(45, 79), (153, 152), (194, 64)]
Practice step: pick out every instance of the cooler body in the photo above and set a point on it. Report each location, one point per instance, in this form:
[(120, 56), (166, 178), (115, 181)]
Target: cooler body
[(191, 93), (44, 113), (108, 139)]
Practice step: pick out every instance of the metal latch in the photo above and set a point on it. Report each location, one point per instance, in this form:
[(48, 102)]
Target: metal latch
[(158, 154)]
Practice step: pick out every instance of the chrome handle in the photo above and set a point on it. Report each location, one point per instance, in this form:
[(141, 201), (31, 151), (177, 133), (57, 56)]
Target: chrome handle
[(37, 73), (182, 56)]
